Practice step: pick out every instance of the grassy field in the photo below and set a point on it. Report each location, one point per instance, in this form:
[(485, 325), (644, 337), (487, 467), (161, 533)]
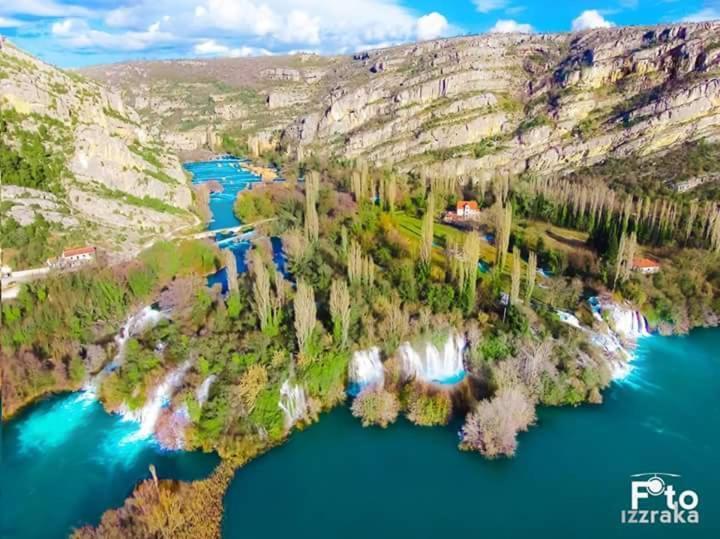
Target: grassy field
[(411, 228), (555, 238)]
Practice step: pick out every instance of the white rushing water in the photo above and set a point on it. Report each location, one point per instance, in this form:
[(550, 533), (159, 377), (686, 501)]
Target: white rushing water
[(203, 390), (148, 415), (366, 369), (292, 402), (432, 365), (138, 323), (629, 324)]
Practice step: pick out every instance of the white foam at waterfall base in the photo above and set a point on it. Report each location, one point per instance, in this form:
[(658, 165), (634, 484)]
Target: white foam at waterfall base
[(292, 402), (148, 415), (629, 323), (365, 370), (431, 365)]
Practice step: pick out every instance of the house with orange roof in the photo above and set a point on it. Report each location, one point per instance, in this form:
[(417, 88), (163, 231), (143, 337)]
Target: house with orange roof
[(645, 266), (467, 209), (74, 256)]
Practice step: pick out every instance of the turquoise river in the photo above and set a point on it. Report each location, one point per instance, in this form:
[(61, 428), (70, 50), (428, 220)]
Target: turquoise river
[(65, 461)]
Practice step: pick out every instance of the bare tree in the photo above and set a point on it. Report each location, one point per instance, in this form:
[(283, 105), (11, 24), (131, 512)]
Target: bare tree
[(515, 282), (625, 256), (305, 313), (312, 189), (391, 192), (492, 427), (295, 244), (231, 270), (531, 275), (426, 242), (503, 225), (471, 256), (261, 289), (340, 310)]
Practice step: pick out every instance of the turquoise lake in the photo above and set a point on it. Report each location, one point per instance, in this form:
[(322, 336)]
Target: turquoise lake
[(570, 477), (65, 461)]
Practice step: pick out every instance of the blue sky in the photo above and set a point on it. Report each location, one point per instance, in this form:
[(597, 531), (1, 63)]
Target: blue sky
[(73, 33)]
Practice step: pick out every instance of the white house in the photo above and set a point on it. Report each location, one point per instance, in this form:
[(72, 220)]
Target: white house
[(467, 209), (645, 266), (74, 257)]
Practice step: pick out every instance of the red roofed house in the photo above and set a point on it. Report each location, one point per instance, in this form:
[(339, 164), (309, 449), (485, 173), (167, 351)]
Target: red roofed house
[(645, 265), (77, 255), (467, 209)]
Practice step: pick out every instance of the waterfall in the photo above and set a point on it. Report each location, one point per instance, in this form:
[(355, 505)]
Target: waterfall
[(148, 415), (134, 325), (629, 323), (432, 365), (203, 391), (365, 370), (292, 403)]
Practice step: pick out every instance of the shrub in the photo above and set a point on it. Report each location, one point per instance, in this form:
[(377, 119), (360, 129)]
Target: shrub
[(428, 406), (492, 428), (376, 406)]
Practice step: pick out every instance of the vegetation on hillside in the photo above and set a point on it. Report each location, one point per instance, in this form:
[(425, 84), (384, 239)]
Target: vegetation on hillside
[(47, 330)]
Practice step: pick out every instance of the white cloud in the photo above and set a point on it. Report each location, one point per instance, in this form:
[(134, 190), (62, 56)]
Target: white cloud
[(77, 34), (277, 25), (300, 28), (707, 14), (210, 47), (590, 18), (42, 8), (508, 26), (9, 22), (431, 26), (486, 6)]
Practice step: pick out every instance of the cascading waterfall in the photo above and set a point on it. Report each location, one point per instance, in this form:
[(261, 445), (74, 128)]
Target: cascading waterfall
[(293, 403), (148, 415), (629, 323), (203, 391), (135, 325), (365, 370), (432, 365)]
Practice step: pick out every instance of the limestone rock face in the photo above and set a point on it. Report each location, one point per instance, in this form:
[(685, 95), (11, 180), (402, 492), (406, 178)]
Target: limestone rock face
[(109, 157), (468, 106), (541, 103)]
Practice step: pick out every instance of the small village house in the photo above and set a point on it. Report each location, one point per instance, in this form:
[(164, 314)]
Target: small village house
[(467, 209), (75, 256), (645, 266)]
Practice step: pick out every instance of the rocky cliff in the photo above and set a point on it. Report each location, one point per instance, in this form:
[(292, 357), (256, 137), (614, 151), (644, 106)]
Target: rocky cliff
[(516, 103), (191, 104), (106, 179), (469, 106)]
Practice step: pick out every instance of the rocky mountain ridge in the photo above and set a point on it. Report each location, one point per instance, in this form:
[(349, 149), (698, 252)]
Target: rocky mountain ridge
[(111, 183), (470, 106), (525, 103)]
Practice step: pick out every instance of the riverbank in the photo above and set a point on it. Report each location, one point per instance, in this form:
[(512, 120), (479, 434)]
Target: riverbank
[(266, 173)]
